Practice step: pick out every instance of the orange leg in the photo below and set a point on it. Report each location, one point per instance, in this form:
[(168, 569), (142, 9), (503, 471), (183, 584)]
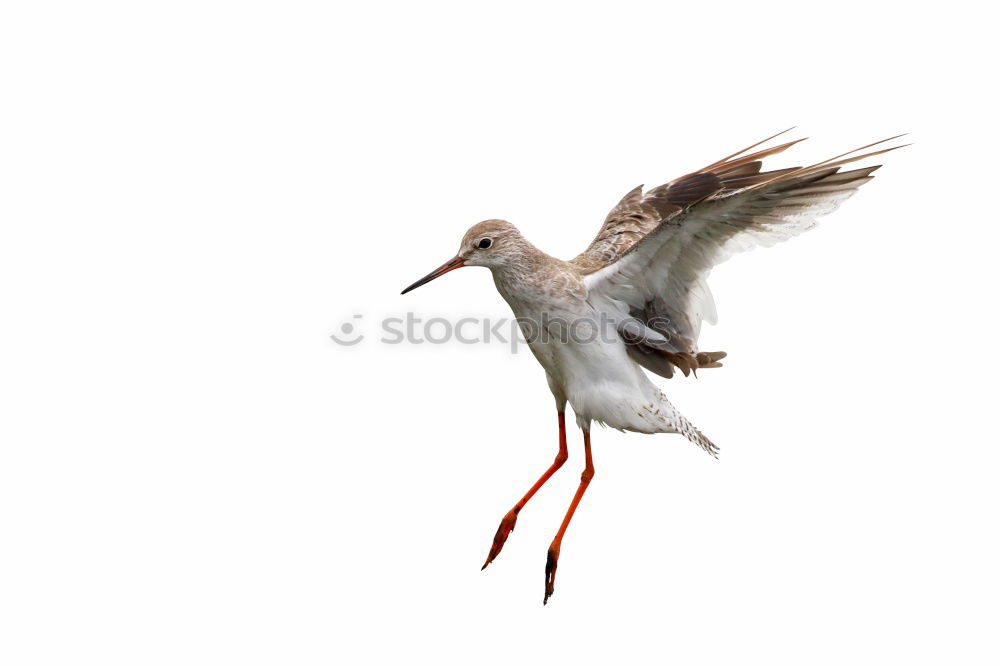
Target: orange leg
[(507, 524), (552, 559)]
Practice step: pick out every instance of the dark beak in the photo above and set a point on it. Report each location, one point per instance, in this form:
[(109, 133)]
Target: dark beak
[(450, 265)]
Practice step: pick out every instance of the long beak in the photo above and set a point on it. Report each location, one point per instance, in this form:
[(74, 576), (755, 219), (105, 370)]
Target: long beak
[(449, 265)]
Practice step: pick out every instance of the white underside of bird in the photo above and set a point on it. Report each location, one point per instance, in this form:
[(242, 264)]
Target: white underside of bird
[(571, 333)]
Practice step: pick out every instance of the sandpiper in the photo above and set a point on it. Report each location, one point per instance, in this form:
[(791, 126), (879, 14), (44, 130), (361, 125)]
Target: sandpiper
[(645, 274)]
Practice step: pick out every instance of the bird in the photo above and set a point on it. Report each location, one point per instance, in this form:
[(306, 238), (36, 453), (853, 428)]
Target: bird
[(636, 297)]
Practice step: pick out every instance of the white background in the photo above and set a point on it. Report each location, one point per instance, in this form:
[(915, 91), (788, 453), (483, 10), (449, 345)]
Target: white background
[(197, 194)]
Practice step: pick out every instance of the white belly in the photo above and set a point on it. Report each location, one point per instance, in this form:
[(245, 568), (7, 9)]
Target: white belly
[(595, 375)]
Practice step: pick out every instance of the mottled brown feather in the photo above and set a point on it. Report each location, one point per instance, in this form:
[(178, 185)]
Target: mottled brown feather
[(775, 195)]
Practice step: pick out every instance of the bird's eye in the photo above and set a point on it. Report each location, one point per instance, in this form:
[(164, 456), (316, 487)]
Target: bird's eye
[(485, 243)]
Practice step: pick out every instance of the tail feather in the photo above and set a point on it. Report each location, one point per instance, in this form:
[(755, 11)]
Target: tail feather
[(681, 425), (695, 436)]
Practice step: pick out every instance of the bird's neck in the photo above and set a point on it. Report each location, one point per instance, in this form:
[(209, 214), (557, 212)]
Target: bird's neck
[(521, 265), (528, 278)]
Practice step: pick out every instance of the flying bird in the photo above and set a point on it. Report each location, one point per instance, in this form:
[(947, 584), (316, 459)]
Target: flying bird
[(636, 297)]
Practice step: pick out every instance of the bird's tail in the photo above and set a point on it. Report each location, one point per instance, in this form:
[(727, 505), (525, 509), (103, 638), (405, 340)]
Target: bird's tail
[(681, 425)]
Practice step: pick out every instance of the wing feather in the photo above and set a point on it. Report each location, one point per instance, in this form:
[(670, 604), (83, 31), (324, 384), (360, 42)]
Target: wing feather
[(650, 261)]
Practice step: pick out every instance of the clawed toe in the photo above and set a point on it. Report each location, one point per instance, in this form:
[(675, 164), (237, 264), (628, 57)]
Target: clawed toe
[(551, 562), (506, 527)]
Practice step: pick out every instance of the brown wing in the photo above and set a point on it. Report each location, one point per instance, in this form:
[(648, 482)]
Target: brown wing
[(656, 287), (639, 213)]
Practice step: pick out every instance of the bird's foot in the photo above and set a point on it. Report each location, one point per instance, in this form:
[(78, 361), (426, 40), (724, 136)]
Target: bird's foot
[(551, 561), (506, 527)]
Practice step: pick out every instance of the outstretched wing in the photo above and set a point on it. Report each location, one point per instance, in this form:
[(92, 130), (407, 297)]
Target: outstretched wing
[(648, 265), (639, 213)]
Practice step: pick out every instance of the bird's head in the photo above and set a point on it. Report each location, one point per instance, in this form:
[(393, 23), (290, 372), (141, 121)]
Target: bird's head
[(491, 243)]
